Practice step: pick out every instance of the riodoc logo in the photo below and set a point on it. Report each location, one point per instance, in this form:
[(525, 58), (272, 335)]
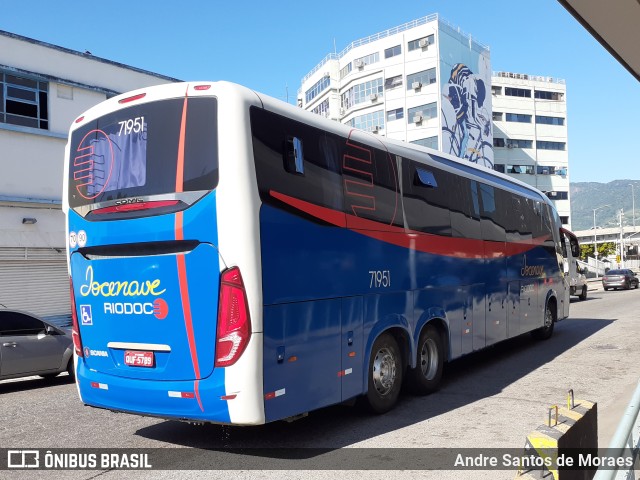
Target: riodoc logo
[(158, 308)]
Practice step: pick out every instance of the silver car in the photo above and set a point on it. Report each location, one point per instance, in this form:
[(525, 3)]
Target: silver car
[(31, 346)]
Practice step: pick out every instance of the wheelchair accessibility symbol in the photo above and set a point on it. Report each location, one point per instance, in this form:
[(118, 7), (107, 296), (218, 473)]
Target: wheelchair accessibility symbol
[(85, 314)]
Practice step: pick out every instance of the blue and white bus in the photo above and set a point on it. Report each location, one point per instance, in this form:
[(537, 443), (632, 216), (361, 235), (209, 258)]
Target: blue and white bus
[(237, 260)]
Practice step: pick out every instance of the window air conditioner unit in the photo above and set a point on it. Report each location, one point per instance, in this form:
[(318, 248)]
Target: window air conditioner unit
[(373, 97), (417, 118), (416, 85), (359, 63), (423, 43)]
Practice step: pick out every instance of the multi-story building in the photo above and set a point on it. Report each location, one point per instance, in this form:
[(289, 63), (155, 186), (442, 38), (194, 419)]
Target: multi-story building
[(43, 89), (424, 82), (530, 134)]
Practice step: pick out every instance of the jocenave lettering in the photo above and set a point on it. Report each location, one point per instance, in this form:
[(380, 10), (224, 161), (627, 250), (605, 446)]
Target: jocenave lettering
[(127, 288)]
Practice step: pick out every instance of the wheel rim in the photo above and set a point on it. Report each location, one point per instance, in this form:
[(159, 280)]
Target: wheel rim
[(384, 371), (548, 318), (429, 359)]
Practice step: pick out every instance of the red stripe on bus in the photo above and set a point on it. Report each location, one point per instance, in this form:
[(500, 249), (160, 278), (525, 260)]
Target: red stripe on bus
[(181, 143), (411, 239), (181, 263)]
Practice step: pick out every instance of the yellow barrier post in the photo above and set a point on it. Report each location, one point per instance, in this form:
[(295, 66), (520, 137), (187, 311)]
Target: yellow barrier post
[(557, 449)]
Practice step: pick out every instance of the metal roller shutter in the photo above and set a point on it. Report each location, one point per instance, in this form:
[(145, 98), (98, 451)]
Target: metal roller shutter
[(34, 280)]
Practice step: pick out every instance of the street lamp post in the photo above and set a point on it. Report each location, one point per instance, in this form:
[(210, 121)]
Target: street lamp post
[(633, 200), (595, 233)]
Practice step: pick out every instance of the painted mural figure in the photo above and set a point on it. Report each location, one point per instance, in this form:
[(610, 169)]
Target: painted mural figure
[(466, 122)]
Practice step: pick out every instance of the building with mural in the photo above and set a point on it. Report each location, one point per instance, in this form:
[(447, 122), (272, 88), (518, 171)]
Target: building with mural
[(424, 82)]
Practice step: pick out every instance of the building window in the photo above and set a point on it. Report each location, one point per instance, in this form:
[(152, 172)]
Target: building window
[(543, 145), (393, 51), (361, 93), (393, 82), (370, 122), (426, 77), (519, 143), (320, 86), (564, 220), (346, 70), (557, 195), (546, 170), (367, 60), (396, 114), (496, 90), (499, 167), (430, 142), (497, 116), (549, 120), (415, 44), (498, 142), (426, 111), (24, 101), (518, 117), (322, 109), (517, 92), (545, 95), (518, 169)]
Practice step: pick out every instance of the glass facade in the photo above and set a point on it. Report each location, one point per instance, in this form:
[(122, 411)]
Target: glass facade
[(361, 93), (549, 120), (426, 77), (430, 142), (415, 44), (393, 51), (319, 87), (427, 111), (518, 117), (369, 121)]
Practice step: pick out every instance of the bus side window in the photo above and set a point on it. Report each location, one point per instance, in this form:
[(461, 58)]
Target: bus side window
[(493, 218), (294, 156), (426, 192), (465, 209)]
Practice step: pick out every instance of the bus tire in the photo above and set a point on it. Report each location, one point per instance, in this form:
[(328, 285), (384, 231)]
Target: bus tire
[(71, 370), (425, 378), (544, 333), (384, 375), (583, 295)]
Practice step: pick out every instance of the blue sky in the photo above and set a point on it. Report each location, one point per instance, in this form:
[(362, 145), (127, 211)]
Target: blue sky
[(270, 45)]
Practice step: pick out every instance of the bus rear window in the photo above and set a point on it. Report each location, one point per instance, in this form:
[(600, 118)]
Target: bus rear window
[(134, 152)]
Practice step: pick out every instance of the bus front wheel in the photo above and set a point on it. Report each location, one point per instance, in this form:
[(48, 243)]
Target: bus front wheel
[(425, 378), (385, 375)]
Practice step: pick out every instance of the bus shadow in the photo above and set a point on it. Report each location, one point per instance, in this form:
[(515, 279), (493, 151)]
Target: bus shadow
[(466, 380)]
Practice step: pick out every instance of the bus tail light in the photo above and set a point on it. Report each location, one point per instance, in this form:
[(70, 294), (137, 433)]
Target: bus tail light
[(75, 331), (234, 323)]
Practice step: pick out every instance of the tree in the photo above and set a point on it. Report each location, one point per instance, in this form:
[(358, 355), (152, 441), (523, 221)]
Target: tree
[(604, 249)]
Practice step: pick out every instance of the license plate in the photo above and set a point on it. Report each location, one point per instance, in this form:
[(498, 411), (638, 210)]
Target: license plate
[(139, 359)]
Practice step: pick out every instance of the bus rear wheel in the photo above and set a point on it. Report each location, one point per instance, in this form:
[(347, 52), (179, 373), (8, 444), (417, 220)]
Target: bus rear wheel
[(425, 378), (385, 375)]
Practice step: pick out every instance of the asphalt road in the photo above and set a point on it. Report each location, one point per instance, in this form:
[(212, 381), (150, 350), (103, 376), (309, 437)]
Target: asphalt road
[(491, 399)]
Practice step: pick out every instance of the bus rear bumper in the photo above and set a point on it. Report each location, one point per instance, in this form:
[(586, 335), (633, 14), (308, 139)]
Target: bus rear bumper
[(201, 400)]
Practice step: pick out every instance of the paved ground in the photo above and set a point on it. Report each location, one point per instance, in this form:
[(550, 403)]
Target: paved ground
[(491, 399)]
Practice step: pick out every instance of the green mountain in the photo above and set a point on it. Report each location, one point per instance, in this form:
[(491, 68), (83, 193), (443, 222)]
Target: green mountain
[(585, 196)]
